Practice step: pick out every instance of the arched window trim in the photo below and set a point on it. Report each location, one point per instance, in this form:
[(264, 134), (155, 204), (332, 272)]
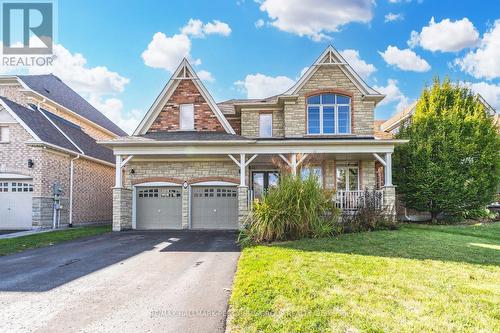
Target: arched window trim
[(335, 105)]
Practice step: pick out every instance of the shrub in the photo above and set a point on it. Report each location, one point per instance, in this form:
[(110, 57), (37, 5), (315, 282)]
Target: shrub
[(369, 215), (294, 209)]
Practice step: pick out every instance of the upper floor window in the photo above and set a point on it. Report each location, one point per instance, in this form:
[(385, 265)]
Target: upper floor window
[(328, 114), (4, 134), (186, 121), (265, 125)]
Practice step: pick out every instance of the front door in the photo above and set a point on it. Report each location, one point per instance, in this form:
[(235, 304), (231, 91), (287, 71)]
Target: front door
[(262, 181)]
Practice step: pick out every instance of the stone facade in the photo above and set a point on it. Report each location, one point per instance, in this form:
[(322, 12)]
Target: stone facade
[(329, 78), (122, 209), (186, 93), (250, 121)]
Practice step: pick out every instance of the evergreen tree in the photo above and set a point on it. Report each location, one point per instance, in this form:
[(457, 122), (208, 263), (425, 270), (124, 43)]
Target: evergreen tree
[(452, 162)]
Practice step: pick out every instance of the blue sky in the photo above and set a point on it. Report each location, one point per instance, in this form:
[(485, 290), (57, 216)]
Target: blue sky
[(107, 51)]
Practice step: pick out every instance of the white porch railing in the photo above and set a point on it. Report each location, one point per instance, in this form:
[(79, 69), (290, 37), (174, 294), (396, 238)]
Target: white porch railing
[(351, 200)]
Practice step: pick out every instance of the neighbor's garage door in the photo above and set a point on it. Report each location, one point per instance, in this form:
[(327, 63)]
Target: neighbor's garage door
[(214, 207), (15, 204), (159, 208)]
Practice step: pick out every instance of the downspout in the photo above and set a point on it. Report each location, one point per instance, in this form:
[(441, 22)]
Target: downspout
[(72, 169)]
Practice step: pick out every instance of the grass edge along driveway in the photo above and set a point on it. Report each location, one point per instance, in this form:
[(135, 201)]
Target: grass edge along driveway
[(417, 279), (18, 244)]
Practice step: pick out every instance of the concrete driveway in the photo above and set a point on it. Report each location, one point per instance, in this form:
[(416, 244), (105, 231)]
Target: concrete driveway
[(172, 281)]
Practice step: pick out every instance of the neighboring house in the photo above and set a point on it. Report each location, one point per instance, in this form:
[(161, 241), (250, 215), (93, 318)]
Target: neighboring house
[(393, 124), (193, 163), (50, 163)]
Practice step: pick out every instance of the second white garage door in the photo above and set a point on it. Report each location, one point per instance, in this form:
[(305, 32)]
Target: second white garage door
[(214, 207), (159, 208)]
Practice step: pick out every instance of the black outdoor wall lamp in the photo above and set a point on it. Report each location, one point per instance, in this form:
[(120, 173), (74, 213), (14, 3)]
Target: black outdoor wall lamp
[(30, 163)]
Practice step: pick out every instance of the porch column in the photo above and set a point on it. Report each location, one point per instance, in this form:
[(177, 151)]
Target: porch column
[(242, 165), (118, 171), (388, 169), (294, 164)]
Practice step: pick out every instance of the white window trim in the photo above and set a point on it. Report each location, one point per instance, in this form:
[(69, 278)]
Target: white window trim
[(314, 166), (335, 115), (347, 166), (267, 115), (2, 126), (181, 125)]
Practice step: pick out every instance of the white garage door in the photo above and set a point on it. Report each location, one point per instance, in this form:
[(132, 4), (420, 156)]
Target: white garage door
[(214, 207), (159, 207), (15, 204)]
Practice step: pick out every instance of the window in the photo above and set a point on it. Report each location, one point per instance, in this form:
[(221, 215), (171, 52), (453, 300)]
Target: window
[(4, 134), (328, 114), (316, 171), (348, 177), (265, 125), (187, 117)]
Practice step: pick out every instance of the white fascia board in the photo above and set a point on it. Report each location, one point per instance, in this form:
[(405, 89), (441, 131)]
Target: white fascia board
[(19, 120), (344, 146), (67, 151)]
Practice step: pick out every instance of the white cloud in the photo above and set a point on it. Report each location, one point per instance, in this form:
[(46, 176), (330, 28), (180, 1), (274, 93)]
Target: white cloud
[(490, 92), (205, 76), (360, 66), (217, 27), (316, 18), (113, 109), (406, 59), (446, 36), (484, 62), (393, 95), (196, 29), (261, 86), (259, 23), (391, 17), (167, 52)]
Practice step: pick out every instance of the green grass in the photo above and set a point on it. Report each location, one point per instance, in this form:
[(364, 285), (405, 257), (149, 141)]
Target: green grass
[(13, 245), (417, 279)]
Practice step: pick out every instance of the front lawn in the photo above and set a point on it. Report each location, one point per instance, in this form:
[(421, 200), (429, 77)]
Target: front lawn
[(417, 279), (13, 245)]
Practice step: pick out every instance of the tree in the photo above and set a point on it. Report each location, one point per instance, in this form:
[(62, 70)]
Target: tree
[(451, 163)]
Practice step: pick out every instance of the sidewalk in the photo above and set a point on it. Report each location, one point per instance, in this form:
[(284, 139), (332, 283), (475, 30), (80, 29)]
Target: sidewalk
[(28, 232)]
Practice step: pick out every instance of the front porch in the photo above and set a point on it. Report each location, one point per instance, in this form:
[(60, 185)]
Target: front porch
[(251, 167)]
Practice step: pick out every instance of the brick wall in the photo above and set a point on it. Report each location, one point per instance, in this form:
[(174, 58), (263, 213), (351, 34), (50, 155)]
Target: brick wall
[(186, 93), (329, 77), (250, 123), (92, 192)]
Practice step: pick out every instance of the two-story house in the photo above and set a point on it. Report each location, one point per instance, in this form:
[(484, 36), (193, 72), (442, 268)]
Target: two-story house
[(52, 171), (193, 163)]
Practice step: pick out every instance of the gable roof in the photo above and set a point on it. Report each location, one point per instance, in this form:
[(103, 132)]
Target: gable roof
[(46, 127), (183, 72), (398, 117), (331, 57), (41, 128), (53, 88)]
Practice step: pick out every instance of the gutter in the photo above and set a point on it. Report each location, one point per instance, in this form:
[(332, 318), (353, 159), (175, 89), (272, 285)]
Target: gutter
[(71, 178)]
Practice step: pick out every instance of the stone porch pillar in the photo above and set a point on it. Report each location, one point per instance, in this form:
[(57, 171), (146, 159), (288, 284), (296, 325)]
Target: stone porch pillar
[(122, 209), (390, 200), (242, 204)]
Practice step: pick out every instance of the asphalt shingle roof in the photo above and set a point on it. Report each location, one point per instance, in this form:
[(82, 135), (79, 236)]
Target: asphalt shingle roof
[(192, 136), (52, 87), (81, 139), (40, 125)]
